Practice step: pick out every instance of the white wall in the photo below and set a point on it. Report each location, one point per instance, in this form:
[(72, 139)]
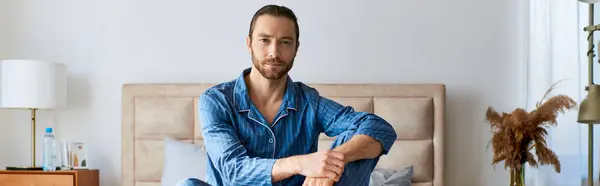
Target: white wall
[(3, 114), (477, 48)]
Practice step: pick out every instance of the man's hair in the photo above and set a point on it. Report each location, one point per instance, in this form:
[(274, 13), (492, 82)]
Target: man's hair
[(275, 10)]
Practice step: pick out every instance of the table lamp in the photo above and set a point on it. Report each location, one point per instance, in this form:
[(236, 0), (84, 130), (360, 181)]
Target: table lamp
[(32, 85), (589, 109)]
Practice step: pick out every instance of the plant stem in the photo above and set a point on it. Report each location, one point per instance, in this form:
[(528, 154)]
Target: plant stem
[(531, 146)]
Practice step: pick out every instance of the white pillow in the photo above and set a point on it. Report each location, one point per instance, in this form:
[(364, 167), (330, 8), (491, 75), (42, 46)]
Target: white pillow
[(389, 177), (183, 160)]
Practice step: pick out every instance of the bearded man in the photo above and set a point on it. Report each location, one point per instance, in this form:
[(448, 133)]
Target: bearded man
[(262, 128)]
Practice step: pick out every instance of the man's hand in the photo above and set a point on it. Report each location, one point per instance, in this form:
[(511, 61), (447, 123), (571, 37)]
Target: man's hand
[(310, 181), (322, 164)]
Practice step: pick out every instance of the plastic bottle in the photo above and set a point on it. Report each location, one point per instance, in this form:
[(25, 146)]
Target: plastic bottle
[(49, 158)]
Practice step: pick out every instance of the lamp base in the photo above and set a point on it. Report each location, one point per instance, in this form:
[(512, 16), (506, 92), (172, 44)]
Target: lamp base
[(23, 168)]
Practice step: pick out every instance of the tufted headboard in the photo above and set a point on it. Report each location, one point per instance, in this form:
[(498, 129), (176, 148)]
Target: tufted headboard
[(417, 112)]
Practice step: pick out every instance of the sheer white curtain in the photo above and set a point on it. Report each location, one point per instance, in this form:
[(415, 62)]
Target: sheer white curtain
[(557, 51)]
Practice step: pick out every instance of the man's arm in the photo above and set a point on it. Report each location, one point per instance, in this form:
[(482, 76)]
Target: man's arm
[(360, 147), (373, 136), (229, 155), (283, 168)]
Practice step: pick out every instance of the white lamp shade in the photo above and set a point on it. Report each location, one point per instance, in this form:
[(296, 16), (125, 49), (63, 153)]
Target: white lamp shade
[(35, 84)]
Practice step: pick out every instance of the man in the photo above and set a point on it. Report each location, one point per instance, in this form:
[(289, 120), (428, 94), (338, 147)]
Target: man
[(262, 128)]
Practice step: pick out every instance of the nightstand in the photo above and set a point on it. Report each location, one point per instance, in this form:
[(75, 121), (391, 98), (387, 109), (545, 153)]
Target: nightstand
[(50, 178)]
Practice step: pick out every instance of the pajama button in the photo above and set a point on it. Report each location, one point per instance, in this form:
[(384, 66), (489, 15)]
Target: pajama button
[(271, 140)]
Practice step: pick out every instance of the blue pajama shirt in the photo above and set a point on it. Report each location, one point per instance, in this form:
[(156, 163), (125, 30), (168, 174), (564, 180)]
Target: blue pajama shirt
[(242, 147)]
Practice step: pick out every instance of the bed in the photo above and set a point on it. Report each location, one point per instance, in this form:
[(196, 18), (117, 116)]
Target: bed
[(152, 111)]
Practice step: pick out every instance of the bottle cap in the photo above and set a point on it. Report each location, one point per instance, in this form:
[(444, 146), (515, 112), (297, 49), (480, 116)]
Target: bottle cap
[(48, 129)]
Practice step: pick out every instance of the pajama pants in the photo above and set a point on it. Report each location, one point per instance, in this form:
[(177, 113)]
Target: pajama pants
[(355, 173)]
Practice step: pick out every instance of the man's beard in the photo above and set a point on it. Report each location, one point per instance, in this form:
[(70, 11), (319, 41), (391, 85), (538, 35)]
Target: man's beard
[(272, 73)]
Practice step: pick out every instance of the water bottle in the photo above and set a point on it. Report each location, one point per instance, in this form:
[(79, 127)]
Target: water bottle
[(49, 158)]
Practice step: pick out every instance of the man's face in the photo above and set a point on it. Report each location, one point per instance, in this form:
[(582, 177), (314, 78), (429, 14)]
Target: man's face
[(273, 46)]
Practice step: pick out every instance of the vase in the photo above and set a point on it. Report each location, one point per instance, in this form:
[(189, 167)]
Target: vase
[(517, 176)]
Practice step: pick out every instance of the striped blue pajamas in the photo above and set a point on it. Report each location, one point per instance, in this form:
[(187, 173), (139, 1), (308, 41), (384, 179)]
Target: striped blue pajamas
[(242, 146)]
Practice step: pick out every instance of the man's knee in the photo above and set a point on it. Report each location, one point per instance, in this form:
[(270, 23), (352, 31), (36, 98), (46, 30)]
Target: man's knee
[(357, 172), (192, 182), (364, 166)]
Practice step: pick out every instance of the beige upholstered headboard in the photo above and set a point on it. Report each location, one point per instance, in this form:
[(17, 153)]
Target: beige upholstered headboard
[(417, 112)]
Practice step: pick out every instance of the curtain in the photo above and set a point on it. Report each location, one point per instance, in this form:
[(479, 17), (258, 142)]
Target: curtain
[(557, 52)]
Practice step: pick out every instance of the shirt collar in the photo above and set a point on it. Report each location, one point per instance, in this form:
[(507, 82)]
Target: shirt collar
[(242, 100)]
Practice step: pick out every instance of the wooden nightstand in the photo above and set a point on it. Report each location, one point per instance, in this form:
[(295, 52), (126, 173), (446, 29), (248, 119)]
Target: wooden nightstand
[(50, 178)]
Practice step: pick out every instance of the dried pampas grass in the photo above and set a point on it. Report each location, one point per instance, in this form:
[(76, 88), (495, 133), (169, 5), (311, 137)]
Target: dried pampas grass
[(516, 134)]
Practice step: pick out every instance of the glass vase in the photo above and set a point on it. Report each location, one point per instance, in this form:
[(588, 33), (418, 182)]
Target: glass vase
[(517, 176)]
